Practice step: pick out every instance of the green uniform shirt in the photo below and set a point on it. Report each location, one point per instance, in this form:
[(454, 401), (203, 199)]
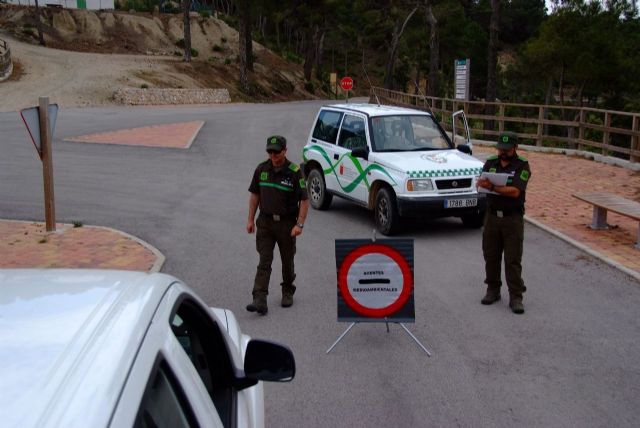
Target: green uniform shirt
[(519, 175), (280, 189)]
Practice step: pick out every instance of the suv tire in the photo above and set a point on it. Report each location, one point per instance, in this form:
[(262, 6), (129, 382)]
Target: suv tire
[(319, 198), (386, 212)]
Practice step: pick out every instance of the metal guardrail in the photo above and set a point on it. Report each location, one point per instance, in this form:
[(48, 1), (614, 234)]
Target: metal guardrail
[(607, 132), (5, 58)]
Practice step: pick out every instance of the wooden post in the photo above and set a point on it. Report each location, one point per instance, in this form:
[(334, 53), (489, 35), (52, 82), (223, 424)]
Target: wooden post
[(501, 121), (454, 108), (581, 124), (606, 134), (540, 126), (47, 165), (635, 139)]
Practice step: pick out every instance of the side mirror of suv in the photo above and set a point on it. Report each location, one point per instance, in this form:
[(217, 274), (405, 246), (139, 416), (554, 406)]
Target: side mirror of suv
[(360, 152), (269, 361), (464, 148)]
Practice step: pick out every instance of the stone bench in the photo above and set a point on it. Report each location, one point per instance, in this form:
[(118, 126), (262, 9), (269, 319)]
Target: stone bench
[(603, 202)]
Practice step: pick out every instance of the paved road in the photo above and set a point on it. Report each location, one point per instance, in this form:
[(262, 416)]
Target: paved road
[(571, 360)]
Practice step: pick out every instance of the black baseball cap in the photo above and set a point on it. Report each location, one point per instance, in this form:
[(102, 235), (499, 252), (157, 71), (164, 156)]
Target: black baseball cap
[(507, 140), (277, 143)]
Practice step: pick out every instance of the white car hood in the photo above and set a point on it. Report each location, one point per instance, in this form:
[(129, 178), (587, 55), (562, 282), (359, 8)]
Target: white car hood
[(435, 160)]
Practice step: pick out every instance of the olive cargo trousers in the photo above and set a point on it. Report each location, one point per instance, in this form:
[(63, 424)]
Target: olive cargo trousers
[(503, 235), (269, 232)]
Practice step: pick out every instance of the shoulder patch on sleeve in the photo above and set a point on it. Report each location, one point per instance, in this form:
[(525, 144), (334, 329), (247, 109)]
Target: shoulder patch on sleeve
[(492, 157), (524, 175), (293, 167)]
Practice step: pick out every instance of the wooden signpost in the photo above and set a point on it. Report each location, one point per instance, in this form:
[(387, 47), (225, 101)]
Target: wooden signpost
[(40, 122)]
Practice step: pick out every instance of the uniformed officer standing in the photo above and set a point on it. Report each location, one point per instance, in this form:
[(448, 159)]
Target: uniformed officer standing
[(278, 187), (504, 222)]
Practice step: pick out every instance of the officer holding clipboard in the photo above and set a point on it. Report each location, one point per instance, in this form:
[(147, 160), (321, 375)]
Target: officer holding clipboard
[(504, 222)]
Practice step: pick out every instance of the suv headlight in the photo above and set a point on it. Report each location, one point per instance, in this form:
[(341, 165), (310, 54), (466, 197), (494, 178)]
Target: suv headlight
[(422, 185)]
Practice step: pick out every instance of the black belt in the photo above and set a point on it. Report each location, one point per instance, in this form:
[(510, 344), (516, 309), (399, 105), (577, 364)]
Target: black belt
[(506, 213), (279, 217)]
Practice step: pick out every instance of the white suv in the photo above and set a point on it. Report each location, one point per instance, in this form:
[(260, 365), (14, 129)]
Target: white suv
[(97, 348), (398, 162)]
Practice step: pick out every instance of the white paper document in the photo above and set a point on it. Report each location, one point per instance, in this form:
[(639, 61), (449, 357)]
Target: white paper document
[(497, 178)]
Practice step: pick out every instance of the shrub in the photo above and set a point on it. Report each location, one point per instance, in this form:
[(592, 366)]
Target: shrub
[(217, 48)]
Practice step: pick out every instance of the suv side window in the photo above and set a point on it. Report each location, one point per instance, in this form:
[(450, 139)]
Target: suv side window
[(203, 342), (352, 134), (163, 404), (326, 128)]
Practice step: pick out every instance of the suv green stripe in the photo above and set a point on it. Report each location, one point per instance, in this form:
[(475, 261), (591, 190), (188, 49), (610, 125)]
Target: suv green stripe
[(362, 176), (444, 173)]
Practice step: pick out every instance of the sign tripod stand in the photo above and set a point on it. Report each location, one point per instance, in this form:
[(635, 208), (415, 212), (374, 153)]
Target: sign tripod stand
[(386, 321), (375, 283)]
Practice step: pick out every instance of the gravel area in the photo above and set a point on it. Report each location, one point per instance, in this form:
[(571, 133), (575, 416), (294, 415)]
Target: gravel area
[(74, 79)]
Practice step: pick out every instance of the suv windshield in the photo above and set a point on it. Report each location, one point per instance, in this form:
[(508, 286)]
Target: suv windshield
[(403, 133)]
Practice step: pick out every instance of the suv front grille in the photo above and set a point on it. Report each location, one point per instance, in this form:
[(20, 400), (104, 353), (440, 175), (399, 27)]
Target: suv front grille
[(460, 183)]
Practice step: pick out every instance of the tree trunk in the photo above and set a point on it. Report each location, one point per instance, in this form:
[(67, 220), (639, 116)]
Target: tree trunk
[(39, 25), (310, 52), (580, 92), (244, 44), (393, 51), (561, 85), (249, 50), (416, 86), (434, 52), (492, 60), (547, 101), (319, 51), (186, 6)]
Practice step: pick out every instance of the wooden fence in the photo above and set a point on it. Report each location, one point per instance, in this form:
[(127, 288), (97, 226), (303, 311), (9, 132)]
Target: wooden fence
[(612, 133), (5, 57)]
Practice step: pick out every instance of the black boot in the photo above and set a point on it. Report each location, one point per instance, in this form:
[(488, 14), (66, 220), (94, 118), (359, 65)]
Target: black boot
[(516, 305), (258, 305), (492, 296)]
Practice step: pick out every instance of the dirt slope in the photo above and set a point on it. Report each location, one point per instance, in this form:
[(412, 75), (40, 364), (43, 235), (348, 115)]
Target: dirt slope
[(91, 54)]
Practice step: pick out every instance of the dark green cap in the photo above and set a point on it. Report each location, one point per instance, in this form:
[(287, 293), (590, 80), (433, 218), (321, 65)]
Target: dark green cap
[(276, 142), (507, 140)]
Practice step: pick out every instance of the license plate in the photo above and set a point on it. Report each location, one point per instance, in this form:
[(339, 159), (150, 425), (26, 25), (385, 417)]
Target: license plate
[(460, 203)]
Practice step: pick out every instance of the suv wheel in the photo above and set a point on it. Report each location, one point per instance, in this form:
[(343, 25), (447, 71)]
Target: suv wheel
[(386, 212), (319, 198), (473, 220)]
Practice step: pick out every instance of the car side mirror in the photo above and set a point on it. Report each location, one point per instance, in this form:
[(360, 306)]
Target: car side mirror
[(464, 148), (269, 361), (360, 152)]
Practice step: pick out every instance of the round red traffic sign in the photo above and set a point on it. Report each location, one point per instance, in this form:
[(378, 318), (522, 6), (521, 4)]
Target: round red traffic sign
[(346, 83), (375, 280)]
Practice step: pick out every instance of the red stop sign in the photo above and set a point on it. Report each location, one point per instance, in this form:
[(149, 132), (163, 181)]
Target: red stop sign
[(346, 83)]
